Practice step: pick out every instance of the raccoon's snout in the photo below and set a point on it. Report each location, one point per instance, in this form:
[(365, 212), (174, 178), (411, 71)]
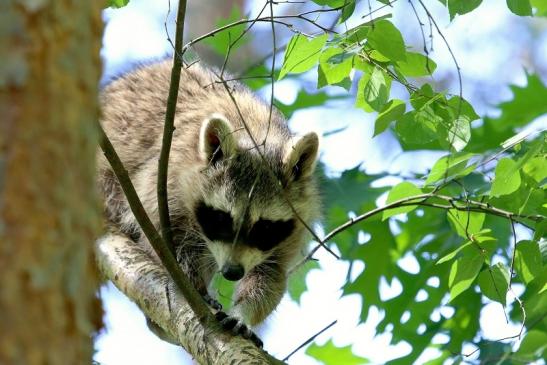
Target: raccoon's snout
[(233, 272)]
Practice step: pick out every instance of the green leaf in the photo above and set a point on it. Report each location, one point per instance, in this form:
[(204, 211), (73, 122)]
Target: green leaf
[(466, 224), (341, 192), (377, 254), (347, 10), (463, 272), (482, 241), (117, 3), (423, 97), (331, 3), (354, 36), (373, 90), (398, 192), (453, 254), (536, 168), (526, 104), (460, 106), (541, 7), (494, 282), (462, 6), (533, 150), (520, 7), (304, 100), (459, 133), (390, 112), (416, 65), (507, 178), (224, 290), (228, 37), (528, 262), (460, 114), (450, 167), (335, 65), (533, 344), (302, 54), (386, 38), (418, 127), (376, 92), (254, 77), (331, 354)]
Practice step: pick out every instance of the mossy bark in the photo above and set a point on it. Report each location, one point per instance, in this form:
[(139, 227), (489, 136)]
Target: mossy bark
[(49, 211)]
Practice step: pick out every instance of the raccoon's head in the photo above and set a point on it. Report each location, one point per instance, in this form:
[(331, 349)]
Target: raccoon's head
[(243, 210)]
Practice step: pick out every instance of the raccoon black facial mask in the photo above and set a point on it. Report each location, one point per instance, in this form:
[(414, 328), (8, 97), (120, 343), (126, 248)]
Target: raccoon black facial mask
[(264, 235), (216, 224)]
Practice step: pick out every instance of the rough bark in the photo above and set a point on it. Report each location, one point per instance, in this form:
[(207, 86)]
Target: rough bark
[(49, 212), (134, 272)]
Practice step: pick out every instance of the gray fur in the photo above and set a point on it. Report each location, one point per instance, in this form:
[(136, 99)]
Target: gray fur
[(133, 115)]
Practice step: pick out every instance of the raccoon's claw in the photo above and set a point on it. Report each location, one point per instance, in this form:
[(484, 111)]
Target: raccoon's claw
[(213, 303), (237, 327), (241, 329)]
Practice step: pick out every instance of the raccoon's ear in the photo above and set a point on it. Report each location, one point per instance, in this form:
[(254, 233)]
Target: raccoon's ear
[(216, 139), (301, 155)]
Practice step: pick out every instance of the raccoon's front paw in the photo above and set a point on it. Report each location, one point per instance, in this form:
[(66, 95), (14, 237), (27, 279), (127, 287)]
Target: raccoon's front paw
[(213, 303), (237, 327)]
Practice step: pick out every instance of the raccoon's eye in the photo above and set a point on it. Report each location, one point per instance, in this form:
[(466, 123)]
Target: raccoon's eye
[(216, 224), (266, 234)]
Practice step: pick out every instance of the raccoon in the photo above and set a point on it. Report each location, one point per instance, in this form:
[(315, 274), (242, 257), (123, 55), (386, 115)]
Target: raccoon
[(240, 185)]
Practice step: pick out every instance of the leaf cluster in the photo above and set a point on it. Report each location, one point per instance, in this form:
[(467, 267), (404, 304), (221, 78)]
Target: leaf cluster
[(467, 254)]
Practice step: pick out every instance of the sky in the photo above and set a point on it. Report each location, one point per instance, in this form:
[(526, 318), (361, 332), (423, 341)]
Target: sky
[(508, 43)]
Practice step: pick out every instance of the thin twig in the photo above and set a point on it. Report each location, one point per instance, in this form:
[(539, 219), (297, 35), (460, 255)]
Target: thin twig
[(168, 129), (515, 336), (261, 19), (421, 25), (272, 73), (511, 271), (309, 340)]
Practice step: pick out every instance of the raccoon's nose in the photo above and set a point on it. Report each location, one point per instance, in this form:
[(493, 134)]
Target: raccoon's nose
[(233, 272)]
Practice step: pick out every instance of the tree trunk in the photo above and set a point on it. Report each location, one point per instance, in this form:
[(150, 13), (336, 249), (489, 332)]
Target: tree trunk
[(49, 212)]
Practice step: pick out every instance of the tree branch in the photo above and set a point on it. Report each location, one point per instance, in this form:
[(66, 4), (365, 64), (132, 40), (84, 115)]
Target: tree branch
[(421, 200), (158, 244), (135, 273)]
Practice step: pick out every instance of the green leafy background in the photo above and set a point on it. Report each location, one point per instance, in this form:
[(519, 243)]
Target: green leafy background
[(482, 164)]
